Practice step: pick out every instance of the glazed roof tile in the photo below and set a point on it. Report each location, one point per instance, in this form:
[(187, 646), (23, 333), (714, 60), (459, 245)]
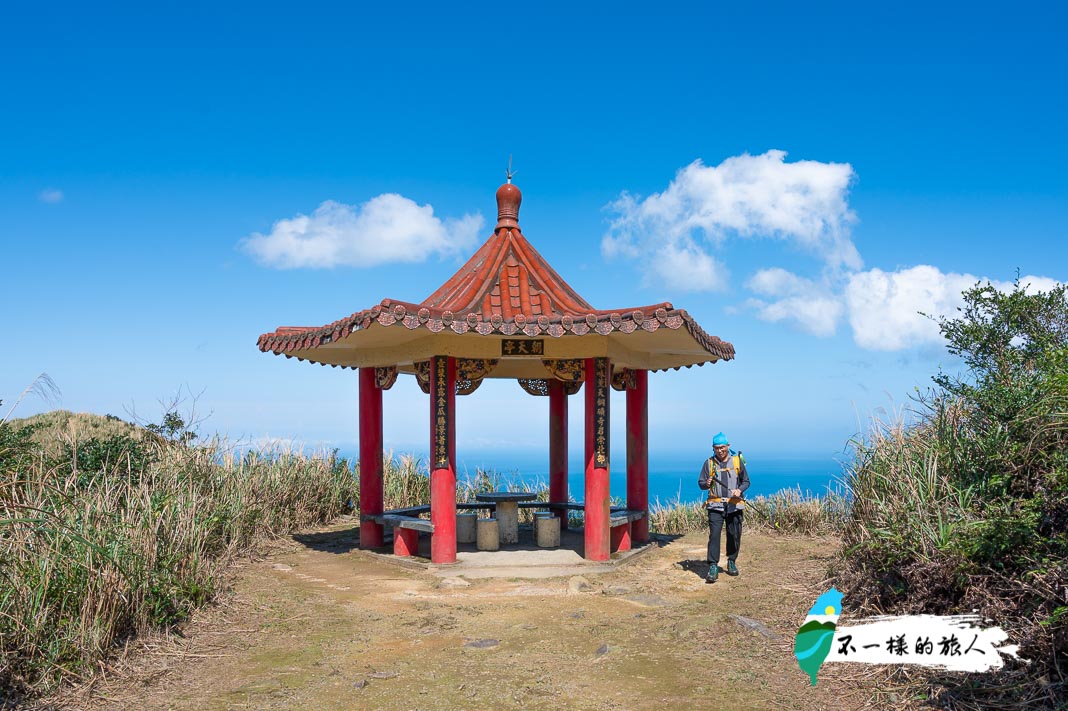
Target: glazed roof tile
[(506, 288)]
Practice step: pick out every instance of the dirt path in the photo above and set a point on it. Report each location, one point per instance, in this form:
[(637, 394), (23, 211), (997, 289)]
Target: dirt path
[(327, 627)]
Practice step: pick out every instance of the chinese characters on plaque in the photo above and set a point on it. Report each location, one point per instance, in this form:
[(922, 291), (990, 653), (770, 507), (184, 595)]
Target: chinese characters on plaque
[(440, 364), (522, 347)]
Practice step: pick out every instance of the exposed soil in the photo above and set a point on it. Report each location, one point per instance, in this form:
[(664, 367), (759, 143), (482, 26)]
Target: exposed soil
[(321, 625)]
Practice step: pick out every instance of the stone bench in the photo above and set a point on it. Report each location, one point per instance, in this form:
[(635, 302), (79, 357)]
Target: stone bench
[(569, 506), (619, 521), (618, 517), (406, 532), (411, 511)]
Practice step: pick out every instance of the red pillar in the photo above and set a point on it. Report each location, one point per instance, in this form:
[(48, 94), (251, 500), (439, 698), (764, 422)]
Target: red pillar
[(405, 541), (597, 511), (370, 458), (443, 459), (558, 447), (638, 453)]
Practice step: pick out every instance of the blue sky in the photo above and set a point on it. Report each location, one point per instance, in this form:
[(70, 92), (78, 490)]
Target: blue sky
[(801, 178)]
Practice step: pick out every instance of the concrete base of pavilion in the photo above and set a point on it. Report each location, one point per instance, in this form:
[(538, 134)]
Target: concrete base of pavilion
[(518, 560)]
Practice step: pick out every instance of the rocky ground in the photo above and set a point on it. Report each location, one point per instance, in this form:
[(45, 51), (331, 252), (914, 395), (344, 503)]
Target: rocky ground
[(319, 624)]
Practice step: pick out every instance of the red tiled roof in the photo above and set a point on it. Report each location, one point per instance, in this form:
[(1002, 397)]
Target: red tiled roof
[(505, 288)]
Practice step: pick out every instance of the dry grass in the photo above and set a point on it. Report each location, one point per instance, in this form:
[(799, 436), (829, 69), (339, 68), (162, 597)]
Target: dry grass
[(98, 550), (786, 512)]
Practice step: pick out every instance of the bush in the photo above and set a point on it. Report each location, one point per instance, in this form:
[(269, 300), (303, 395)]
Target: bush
[(967, 508), (119, 535)]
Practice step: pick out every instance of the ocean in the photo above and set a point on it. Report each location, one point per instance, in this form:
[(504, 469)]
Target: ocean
[(670, 478)]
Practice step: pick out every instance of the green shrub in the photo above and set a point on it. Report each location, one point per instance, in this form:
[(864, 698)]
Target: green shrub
[(966, 508)]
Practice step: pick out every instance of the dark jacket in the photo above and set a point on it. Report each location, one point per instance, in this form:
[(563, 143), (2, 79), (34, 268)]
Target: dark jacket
[(726, 479)]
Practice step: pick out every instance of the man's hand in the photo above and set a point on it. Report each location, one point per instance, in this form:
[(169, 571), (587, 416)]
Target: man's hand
[(736, 493)]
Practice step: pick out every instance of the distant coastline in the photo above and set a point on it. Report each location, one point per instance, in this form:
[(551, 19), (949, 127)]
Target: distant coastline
[(670, 478)]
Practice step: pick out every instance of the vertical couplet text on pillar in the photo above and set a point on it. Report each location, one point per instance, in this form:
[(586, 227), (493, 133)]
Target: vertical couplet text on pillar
[(597, 515), (442, 457)]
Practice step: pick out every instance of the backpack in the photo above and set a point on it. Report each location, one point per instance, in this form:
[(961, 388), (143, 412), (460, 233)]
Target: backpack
[(739, 502)]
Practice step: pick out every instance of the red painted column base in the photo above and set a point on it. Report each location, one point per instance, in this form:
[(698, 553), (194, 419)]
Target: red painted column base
[(372, 534), (621, 537), (639, 530), (405, 542)]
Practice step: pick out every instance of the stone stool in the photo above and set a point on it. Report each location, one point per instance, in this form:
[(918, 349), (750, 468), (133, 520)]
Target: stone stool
[(547, 530), (465, 527), (489, 538)]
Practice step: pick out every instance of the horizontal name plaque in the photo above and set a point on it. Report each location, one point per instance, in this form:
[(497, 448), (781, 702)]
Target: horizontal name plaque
[(523, 347)]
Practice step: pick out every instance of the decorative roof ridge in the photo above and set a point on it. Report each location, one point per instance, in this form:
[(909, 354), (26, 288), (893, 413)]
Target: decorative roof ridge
[(530, 253), (412, 316)]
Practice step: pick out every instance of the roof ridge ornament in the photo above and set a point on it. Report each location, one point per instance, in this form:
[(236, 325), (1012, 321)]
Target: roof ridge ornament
[(508, 201)]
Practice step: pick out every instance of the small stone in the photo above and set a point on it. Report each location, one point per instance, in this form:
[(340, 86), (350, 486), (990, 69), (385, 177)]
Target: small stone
[(578, 584), (281, 566), (619, 590), (647, 599), (601, 651), (755, 625), (384, 675), (483, 643), (457, 582), (577, 614), (360, 684)]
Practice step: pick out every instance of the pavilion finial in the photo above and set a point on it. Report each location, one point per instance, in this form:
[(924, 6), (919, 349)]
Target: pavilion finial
[(508, 200), (510, 173)]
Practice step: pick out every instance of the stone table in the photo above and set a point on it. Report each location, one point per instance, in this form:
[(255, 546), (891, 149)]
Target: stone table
[(506, 505)]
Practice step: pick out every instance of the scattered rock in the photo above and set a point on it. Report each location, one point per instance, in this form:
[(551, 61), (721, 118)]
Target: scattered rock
[(577, 614), (755, 625), (282, 566), (601, 651), (428, 630), (532, 590), (360, 684), (384, 675), (647, 599), (483, 643), (618, 590), (578, 584), (457, 582)]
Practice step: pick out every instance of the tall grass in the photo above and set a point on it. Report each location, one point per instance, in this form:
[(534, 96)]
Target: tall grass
[(966, 508), (88, 558), (906, 507), (788, 512), (108, 531)]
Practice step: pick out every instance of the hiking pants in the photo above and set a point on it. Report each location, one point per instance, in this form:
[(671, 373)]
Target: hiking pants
[(734, 534)]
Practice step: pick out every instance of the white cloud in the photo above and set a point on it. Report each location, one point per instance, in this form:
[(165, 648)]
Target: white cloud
[(387, 228), (804, 202), (809, 305), (688, 268), (50, 195), (884, 309)]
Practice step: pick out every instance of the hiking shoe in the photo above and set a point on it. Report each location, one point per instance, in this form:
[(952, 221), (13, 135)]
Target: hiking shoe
[(713, 573), (732, 569)]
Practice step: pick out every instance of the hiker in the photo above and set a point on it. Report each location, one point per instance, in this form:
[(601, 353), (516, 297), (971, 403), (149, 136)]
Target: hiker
[(726, 479)]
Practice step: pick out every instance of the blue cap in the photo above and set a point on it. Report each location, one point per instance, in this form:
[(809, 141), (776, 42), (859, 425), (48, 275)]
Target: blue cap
[(719, 439)]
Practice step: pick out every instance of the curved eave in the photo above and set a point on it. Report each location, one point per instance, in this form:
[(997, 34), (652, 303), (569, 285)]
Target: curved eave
[(394, 333)]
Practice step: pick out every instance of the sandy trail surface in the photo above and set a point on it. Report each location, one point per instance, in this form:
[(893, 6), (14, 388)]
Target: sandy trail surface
[(321, 625)]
